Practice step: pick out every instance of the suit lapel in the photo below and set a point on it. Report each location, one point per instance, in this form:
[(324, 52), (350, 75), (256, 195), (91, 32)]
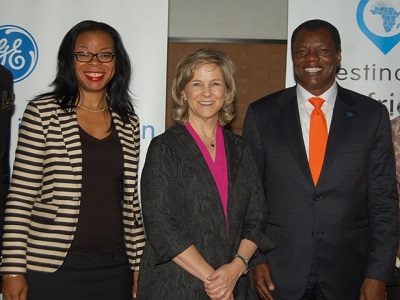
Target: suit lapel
[(233, 156), (126, 134), (288, 119), (186, 148), (70, 132), (343, 115)]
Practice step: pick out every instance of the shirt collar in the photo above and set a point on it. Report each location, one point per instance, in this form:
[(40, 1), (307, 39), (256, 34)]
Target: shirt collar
[(329, 96)]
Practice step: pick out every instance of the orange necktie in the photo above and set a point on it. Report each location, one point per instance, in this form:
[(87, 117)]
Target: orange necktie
[(318, 138)]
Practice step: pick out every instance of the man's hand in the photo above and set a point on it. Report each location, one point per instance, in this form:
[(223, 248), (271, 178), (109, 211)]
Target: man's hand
[(373, 289), (264, 284)]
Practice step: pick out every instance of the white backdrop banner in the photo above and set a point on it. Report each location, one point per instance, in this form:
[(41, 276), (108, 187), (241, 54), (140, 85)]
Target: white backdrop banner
[(370, 32), (31, 33)]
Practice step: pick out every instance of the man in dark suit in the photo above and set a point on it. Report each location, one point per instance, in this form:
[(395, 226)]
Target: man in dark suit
[(6, 109), (336, 228)]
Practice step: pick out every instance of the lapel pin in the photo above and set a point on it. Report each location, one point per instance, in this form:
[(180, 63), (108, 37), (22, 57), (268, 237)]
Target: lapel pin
[(349, 114)]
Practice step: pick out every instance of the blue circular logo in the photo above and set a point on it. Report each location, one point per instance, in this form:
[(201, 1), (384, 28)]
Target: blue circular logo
[(379, 20), (18, 51)]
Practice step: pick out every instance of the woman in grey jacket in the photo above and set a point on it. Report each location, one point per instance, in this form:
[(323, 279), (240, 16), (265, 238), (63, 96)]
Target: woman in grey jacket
[(203, 204), (73, 226)]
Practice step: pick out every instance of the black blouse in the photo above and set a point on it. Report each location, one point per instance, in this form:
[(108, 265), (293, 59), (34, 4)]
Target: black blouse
[(100, 226)]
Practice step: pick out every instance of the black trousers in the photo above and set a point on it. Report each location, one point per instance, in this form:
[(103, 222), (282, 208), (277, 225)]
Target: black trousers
[(393, 292), (313, 291), (102, 276)]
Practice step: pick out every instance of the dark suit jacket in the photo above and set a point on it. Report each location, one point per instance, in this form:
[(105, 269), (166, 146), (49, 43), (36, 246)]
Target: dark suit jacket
[(6, 109), (182, 207), (349, 221)]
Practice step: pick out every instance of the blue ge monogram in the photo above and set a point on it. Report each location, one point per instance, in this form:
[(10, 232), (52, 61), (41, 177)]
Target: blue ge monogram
[(18, 51)]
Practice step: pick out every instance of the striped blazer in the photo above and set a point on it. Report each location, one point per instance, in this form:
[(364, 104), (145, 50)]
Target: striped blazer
[(43, 203)]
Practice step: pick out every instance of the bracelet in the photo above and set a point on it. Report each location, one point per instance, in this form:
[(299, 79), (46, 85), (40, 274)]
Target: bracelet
[(6, 276), (245, 261)]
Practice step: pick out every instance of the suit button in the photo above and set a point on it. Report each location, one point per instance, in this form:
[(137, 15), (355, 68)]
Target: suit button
[(318, 233), (318, 198)]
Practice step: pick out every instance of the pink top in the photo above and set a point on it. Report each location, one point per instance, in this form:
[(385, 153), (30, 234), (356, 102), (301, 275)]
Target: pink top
[(218, 168)]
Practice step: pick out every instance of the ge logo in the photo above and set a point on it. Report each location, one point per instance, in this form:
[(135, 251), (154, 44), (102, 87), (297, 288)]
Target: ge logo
[(18, 51)]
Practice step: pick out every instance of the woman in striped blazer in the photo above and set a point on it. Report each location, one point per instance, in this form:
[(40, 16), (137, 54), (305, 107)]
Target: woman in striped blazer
[(73, 226)]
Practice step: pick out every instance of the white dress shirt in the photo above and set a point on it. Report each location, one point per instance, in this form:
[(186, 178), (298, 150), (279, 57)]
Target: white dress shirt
[(305, 109)]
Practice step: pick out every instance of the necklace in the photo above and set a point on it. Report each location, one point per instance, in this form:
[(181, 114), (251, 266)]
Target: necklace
[(93, 111), (212, 143)]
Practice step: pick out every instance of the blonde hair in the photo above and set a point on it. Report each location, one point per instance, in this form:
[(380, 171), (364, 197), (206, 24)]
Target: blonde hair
[(185, 73)]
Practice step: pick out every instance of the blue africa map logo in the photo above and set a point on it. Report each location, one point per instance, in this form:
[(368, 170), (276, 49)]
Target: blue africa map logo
[(380, 22), (18, 51)]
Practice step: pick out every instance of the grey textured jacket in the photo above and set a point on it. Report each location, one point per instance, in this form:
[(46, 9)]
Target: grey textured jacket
[(182, 207)]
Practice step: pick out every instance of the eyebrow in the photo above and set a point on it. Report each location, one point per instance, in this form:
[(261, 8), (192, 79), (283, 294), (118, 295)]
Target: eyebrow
[(101, 50)]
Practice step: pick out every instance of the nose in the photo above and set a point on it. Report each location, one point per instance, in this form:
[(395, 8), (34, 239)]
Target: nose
[(206, 90), (95, 61), (312, 55)]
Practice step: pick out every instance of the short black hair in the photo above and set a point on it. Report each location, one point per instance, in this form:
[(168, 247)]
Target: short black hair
[(313, 25)]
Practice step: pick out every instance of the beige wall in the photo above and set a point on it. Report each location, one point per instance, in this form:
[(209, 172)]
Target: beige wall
[(233, 19)]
